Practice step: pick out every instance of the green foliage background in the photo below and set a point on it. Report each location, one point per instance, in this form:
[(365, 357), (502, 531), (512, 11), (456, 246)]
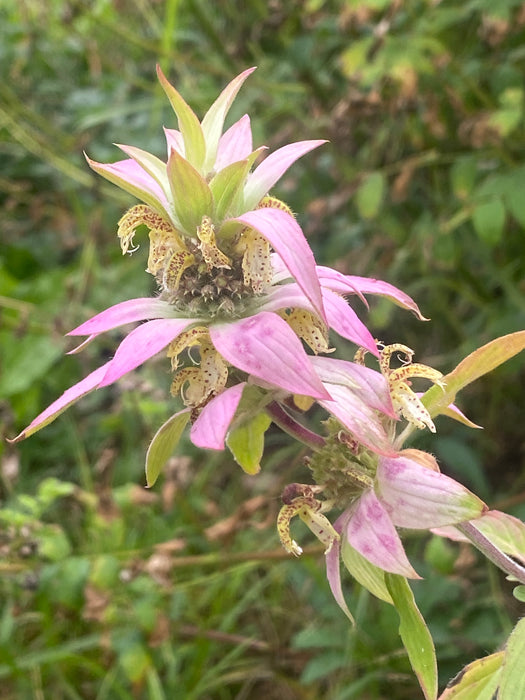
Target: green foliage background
[(108, 591)]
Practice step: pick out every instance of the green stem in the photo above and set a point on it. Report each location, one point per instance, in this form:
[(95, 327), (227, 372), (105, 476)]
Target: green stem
[(287, 423), (493, 553)]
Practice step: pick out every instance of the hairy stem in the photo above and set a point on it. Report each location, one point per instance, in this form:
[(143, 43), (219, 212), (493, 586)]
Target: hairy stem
[(287, 423), (493, 553)]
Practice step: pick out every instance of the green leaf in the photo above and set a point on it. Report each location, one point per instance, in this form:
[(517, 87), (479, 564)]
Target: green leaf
[(463, 176), (192, 197), (513, 195), (227, 187), (475, 365), (369, 576), (369, 196), (488, 219), (246, 442), (519, 593), (189, 125), (414, 634), (163, 444), (477, 681), (213, 121), (512, 684)]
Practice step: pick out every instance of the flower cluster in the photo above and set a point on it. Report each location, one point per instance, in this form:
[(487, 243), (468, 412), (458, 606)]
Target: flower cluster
[(244, 314)]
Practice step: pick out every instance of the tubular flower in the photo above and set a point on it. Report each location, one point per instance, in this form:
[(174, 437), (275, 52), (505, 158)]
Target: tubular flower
[(360, 472), (377, 494)]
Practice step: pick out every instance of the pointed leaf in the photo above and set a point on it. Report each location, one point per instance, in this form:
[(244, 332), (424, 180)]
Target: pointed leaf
[(164, 443), (235, 144), (125, 312), (141, 344), (246, 443), (69, 397), (130, 177), (266, 347), (189, 125), (475, 365), (272, 169), (213, 121), (210, 428), (370, 531), (286, 237), (227, 187), (415, 635), (192, 197), (419, 498)]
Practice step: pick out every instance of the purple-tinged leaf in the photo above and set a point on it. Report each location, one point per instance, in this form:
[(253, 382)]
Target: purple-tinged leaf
[(125, 312), (164, 443), (192, 197), (344, 320), (371, 532), (174, 141), (210, 429), (213, 121), (189, 125), (130, 177), (235, 144), (420, 498), (273, 168), (285, 235), (70, 396), (141, 344), (350, 284), (150, 163), (265, 346)]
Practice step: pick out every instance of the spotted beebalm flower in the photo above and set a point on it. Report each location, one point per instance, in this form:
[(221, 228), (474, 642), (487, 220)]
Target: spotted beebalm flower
[(230, 312), (377, 487)]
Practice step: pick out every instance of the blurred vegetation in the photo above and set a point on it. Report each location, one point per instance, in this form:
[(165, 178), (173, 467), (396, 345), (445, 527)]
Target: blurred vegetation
[(109, 591)]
